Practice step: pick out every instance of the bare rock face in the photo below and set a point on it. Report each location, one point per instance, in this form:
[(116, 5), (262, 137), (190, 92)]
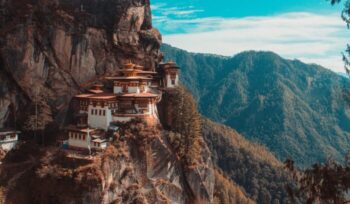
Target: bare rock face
[(61, 46), (132, 170)]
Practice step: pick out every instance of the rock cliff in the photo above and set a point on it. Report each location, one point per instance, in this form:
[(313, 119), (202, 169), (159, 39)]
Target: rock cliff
[(139, 167), (59, 46)]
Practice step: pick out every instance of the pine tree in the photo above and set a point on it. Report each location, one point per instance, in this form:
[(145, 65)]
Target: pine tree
[(345, 14), (186, 122), (41, 114), (327, 183)]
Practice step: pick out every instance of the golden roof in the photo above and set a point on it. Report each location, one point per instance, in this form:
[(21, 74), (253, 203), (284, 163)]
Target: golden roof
[(129, 65)]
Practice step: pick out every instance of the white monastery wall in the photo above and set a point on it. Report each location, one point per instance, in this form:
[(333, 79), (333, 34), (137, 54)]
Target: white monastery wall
[(99, 117), (76, 142), (117, 89), (9, 143), (168, 81), (133, 89)]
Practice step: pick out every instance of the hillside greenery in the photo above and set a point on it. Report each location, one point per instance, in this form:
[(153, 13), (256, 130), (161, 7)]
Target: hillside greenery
[(249, 165), (184, 124), (327, 183), (226, 191), (296, 110)]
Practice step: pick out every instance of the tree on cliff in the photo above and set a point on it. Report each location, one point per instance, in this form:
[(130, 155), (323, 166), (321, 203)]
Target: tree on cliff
[(186, 125), (346, 17), (40, 115), (327, 183)]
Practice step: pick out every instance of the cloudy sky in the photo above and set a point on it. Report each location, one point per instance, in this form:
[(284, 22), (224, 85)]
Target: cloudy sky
[(309, 30)]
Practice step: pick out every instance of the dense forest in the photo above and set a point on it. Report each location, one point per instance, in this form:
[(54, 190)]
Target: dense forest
[(227, 191), (295, 109), (250, 165)]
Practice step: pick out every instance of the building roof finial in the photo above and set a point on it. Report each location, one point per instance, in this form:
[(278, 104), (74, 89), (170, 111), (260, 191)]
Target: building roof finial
[(129, 65)]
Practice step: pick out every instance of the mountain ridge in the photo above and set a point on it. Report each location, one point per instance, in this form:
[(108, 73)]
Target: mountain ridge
[(291, 107)]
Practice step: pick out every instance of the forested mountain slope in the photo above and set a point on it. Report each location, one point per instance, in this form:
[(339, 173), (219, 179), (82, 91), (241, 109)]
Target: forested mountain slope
[(248, 164), (297, 110)]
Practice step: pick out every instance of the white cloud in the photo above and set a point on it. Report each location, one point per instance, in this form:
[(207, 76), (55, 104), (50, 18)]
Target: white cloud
[(178, 12), (313, 38)]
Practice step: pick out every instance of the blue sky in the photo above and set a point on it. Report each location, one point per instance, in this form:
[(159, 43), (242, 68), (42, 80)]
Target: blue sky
[(309, 30)]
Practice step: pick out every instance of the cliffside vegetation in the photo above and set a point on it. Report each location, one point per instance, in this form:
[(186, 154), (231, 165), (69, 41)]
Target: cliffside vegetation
[(345, 14), (139, 167), (228, 192), (39, 115), (248, 164), (327, 183), (185, 125)]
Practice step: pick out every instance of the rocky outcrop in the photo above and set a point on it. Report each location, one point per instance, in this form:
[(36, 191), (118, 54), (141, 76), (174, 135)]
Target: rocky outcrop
[(135, 169), (62, 46)]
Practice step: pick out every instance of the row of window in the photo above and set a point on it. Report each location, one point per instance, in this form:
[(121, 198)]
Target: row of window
[(113, 105), (77, 136), (85, 108), (98, 112), (84, 103), (122, 106), (6, 137)]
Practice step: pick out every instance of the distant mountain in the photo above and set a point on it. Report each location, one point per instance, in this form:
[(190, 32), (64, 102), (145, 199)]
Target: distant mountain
[(295, 109)]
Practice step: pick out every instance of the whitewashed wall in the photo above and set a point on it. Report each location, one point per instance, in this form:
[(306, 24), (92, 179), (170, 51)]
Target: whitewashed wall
[(99, 121)]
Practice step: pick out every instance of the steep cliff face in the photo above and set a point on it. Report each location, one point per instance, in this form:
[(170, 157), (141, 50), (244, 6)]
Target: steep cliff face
[(59, 46), (138, 168)]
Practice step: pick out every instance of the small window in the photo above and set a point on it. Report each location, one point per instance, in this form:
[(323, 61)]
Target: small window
[(104, 112), (84, 137), (79, 137), (92, 111), (100, 112), (173, 81)]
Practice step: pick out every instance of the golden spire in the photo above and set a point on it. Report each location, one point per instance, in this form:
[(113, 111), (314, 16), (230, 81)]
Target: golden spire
[(129, 65), (171, 63)]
